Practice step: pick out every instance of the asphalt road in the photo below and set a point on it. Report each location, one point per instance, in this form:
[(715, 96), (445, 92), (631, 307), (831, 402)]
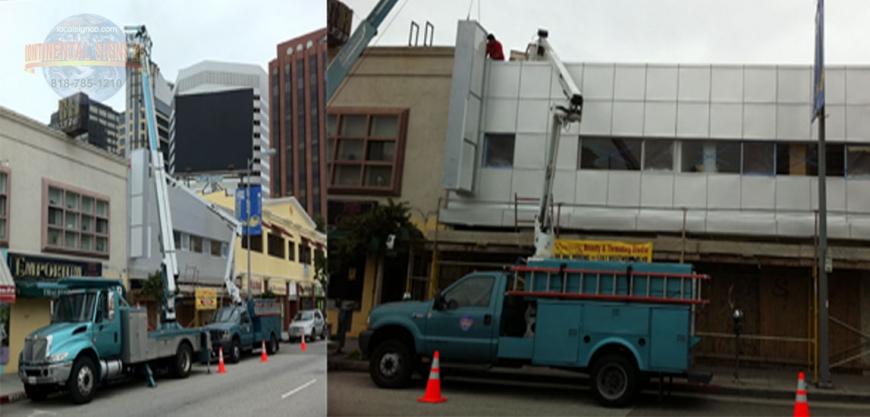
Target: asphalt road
[(354, 394), (291, 383)]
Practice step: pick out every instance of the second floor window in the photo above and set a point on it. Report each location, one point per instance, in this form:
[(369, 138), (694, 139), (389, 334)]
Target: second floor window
[(365, 150), (76, 221)]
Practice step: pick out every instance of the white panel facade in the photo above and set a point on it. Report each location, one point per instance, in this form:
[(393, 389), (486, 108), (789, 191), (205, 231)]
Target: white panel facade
[(500, 115), (660, 118), (694, 83), (504, 80), (759, 84), (597, 118), (533, 116), (726, 120), (693, 120), (597, 81), (628, 118), (629, 82), (726, 84), (535, 80), (661, 83), (759, 121), (757, 192)]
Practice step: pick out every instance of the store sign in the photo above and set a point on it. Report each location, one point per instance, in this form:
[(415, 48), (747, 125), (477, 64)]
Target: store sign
[(602, 250), (35, 267), (206, 298)]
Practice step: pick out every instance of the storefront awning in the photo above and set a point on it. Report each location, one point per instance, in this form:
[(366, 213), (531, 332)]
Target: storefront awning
[(7, 284)]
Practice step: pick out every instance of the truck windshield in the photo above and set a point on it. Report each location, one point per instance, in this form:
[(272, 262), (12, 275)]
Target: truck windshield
[(227, 315), (73, 308), (304, 315)]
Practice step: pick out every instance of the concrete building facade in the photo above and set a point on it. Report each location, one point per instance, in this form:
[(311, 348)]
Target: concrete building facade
[(297, 85), (386, 130), (65, 214)]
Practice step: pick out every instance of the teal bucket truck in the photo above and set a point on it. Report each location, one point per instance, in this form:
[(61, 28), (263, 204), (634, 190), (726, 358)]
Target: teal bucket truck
[(96, 336), (620, 322), (240, 328)]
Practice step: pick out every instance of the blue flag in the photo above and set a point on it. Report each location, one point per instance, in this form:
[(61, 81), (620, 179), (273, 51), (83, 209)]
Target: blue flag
[(251, 221), (819, 67)]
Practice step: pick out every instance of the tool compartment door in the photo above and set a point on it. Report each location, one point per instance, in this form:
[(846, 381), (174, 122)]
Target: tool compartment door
[(669, 334), (557, 332)]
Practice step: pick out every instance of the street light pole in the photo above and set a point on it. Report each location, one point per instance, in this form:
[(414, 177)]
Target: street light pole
[(248, 234)]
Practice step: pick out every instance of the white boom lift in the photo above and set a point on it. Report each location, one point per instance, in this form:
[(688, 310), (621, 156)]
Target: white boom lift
[(540, 50), (139, 46)]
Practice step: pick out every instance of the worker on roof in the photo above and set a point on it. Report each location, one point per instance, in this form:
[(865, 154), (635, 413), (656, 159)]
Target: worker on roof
[(493, 48)]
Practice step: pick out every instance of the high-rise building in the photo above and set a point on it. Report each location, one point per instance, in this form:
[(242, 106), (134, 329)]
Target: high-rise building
[(220, 107), (89, 121), (136, 131), (297, 84)]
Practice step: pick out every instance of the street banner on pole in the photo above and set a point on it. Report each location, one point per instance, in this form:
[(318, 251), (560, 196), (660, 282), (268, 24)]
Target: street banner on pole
[(252, 222), (819, 66)]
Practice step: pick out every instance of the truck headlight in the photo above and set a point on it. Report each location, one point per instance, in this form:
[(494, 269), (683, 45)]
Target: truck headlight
[(58, 357)]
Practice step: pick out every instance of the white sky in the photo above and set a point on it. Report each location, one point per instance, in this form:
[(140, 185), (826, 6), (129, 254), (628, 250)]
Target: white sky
[(649, 31), (184, 33)]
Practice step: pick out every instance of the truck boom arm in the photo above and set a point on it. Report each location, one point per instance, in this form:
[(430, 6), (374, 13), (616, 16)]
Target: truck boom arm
[(367, 29), (562, 115)]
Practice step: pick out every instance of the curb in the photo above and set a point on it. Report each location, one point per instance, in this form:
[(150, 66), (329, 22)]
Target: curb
[(712, 389), (12, 397)]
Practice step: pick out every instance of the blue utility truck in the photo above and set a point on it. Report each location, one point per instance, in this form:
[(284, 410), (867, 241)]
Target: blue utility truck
[(96, 336), (239, 328), (621, 322)]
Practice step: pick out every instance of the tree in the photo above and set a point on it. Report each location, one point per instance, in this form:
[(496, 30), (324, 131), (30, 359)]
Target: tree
[(366, 234), (152, 289)]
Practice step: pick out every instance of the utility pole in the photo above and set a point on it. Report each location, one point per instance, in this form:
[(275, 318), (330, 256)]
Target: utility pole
[(819, 112)]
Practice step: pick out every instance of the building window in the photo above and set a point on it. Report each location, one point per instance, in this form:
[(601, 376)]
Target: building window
[(707, 156), (304, 252), (610, 153), (256, 243), (365, 150), (196, 244), (291, 250), (276, 245), (758, 158), (658, 155), (216, 248), (803, 159), (858, 160), (4, 207), (498, 150), (75, 221)]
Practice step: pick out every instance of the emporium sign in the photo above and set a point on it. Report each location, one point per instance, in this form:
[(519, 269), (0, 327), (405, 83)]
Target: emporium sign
[(603, 250), (24, 267)]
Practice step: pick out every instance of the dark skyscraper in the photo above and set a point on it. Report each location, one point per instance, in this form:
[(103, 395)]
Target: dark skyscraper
[(297, 84), (89, 121)]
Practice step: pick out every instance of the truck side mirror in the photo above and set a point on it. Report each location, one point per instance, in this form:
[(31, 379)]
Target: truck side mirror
[(99, 317), (440, 303)]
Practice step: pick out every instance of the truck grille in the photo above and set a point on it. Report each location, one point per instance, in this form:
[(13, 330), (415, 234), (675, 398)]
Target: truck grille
[(35, 349), (215, 335)]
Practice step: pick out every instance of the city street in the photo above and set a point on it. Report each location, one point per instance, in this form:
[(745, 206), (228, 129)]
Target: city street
[(291, 383), (354, 394)]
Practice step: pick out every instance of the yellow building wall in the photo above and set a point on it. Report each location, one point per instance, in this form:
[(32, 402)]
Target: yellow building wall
[(25, 316), (264, 265)]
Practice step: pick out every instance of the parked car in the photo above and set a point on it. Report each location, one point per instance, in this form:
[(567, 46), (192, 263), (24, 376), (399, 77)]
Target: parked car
[(307, 323)]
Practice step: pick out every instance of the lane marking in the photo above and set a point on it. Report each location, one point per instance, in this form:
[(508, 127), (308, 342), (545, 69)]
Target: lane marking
[(299, 388)]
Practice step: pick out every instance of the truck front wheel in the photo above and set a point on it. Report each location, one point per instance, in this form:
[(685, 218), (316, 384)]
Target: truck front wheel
[(36, 392), (82, 383), (183, 360), (272, 346), (391, 365), (614, 380)]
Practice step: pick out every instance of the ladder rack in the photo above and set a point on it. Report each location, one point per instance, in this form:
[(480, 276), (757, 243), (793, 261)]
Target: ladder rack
[(626, 282)]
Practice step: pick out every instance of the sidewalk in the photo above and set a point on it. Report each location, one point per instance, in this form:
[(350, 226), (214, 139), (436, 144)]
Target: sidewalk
[(753, 382), (11, 388)]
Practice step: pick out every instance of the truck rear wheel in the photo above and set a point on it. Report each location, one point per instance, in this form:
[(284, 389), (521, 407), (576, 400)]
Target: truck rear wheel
[(272, 346), (391, 365), (614, 380), (36, 392), (82, 382), (183, 360)]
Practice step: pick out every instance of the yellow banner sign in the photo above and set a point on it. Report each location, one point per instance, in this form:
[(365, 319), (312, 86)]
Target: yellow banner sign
[(206, 298), (603, 250)]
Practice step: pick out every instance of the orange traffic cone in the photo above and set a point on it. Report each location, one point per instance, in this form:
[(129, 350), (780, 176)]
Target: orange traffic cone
[(801, 406), (433, 387), (304, 348), (263, 357), (221, 368)]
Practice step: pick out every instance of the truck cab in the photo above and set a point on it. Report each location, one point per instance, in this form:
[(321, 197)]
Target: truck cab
[(240, 328), (620, 322)]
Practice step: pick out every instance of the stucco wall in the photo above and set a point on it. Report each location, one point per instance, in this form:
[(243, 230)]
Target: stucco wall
[(417, 79)]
